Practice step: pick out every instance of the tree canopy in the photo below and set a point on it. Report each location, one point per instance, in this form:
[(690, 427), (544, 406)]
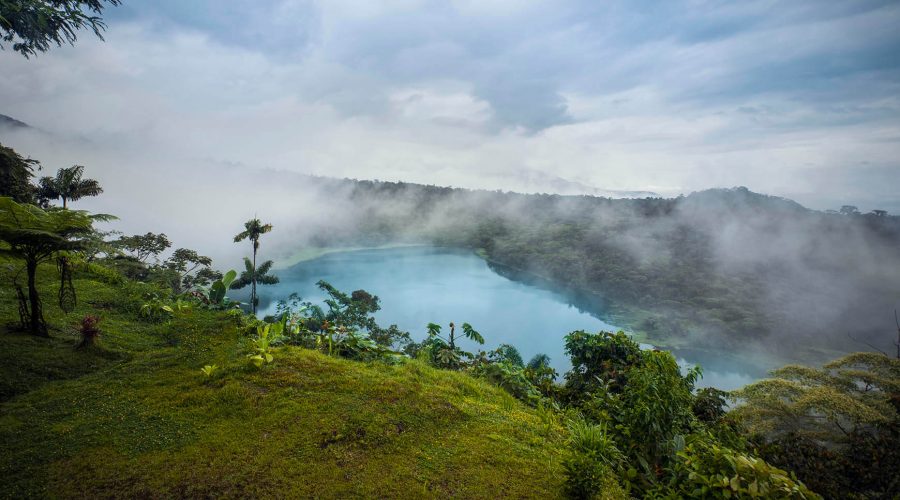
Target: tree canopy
[(33, 26), (68, 185), (15, 175)]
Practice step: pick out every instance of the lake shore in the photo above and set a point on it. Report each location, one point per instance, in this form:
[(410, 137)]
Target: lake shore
[(311, 253)]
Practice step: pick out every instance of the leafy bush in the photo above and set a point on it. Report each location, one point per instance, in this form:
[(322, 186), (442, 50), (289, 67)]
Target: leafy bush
[(592, 462), (599, 360), (510, 377), (265, 336), (156, 309), (706, 470)]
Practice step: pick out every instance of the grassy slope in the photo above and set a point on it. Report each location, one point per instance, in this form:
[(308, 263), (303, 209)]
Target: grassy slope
[(136, 417)]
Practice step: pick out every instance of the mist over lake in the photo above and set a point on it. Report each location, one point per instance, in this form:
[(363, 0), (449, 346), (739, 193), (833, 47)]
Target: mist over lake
[(422, 284)]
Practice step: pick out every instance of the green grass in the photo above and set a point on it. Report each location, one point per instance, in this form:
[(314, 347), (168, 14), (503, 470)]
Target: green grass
[(136, 418)]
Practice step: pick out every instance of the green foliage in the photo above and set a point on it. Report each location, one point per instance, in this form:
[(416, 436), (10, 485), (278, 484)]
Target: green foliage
[(16, 173), (351, 311), (510, 377), (834, 426), (591, 462), (253, 229), (68, 186), (706, 470), (215, 296), (266, 335), (156, 309), (143, 247), (851, 393), (599, 360), (35, 235), (474, 336), (34, 25), (185, 270), (209, 370)]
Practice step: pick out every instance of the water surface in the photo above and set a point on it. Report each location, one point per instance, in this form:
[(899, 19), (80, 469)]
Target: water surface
[(421, 285)]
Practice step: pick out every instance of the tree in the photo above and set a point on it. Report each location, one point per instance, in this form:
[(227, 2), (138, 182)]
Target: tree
[(68, 185), (253, 229), (35, 235), (352, 311), (186, 269), (849, 210), (836, 427), (33, 25), (253, 275), (142, 247), (853, 393), (15, 175), (878, 213)]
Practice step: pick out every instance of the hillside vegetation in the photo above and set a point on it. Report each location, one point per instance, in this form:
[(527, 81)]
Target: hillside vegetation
[(135, 417)]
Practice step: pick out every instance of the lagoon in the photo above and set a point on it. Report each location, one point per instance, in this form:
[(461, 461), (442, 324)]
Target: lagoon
[(422, 284)]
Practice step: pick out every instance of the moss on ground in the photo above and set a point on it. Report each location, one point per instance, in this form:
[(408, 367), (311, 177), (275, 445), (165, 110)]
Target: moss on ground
[(136, 418)]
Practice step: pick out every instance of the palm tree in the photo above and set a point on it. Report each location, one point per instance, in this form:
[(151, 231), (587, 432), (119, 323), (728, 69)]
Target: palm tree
[(68, 185), (253, 275), (253, 229)]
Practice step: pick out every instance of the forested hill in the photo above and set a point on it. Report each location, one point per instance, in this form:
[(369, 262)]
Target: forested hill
[(738, 268)]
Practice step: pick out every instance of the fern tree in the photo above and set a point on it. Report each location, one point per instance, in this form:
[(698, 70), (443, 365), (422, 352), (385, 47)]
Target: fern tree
[(68, 185), (36, 235), (253, 229), (253, 275)]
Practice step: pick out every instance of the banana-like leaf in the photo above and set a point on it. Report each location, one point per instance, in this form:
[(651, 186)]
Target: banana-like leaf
[(228, 278)]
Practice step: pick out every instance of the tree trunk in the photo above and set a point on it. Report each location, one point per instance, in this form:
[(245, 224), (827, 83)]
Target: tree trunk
[(37, 319), (64, 202), (253, 282)]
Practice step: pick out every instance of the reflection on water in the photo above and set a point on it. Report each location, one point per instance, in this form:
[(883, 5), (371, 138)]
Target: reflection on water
[(418, 285)]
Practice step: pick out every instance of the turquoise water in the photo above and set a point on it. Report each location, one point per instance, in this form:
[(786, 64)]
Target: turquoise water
[(419, 285)]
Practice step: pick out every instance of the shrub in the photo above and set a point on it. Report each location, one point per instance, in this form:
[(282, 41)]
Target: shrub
[(89, 330), (705, 470), (591, 463)]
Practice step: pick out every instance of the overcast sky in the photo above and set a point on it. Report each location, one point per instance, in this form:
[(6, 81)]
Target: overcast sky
[(798, 99)]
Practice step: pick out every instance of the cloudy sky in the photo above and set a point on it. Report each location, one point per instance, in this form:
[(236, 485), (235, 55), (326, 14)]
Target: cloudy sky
[(798, 99)]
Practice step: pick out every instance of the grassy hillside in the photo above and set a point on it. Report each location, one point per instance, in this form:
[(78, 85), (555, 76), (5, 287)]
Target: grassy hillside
[(135, 417)]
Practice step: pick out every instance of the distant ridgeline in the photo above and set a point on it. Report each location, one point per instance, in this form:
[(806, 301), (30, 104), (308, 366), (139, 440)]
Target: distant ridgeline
[(737, 268)]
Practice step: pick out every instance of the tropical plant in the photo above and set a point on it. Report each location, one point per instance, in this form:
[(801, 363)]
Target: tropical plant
[(509, 354), (266, 335), (833, 425), (253, 276), (215, 296), (89, 330), (209, 370), (144, 246), (185, 269), (34, 25), (156, 309), (542, 375), (253, 229), (36, 235), (856, 392), (68, 185), (591, 462), (352, 311), (599, 360), (15, 175), (704, 469), (510, 377)]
